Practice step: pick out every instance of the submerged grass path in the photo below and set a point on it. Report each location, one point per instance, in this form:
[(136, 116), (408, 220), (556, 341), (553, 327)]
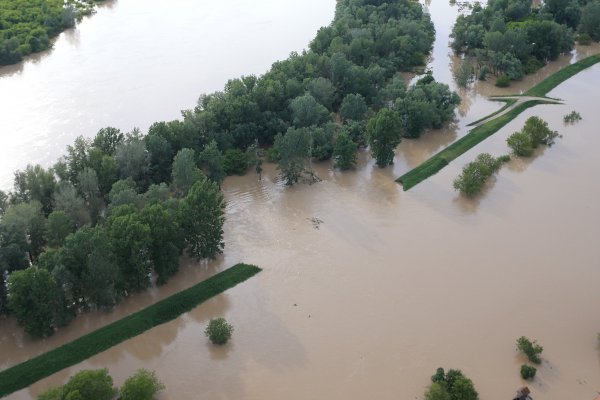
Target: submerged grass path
[(486, 127), (22, 375)]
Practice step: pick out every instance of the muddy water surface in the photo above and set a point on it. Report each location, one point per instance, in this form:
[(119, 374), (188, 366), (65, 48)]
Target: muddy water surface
[(393, 284)]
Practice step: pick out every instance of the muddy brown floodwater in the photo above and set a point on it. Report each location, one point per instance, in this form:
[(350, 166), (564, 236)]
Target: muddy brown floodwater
[(392, 284)]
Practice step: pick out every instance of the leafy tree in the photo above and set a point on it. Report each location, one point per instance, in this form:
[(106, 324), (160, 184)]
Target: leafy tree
[(201, 216), (384, 134), (90, 189), (64, 309), (143, 385), (184, 171), (307, 111), (453, 385), (528, 372), (24, 227), (475, 174), (130, 240), (521, 144), (322, 141), (213, 161), (354, 107), (235, 162), (166, 243), (294, 152), (35, 183), (464, 74), (68, 200), (3, 202), (530, 348), (323, 91), (3, 299), (133, 159), (356, 131), (590, 20), (58, 227), (218, 331), (538, 131), (344, 152), (30, 298), (123, 192), (108, 139), (156, 194), (90, 384), (161, 157)]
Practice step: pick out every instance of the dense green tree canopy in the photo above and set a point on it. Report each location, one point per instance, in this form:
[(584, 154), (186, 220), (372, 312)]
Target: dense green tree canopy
[(384, 132)]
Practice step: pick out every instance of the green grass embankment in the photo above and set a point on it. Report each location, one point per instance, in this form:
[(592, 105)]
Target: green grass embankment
[(433, 165), (545, 86), (22, 375)]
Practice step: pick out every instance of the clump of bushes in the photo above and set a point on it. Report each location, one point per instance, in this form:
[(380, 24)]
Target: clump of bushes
[(98, 385), (584, 39), (475, 174), (530, 348), (453, 385), (528, 372), (534, 133), (503, 81), (572, 117), (219, 331)]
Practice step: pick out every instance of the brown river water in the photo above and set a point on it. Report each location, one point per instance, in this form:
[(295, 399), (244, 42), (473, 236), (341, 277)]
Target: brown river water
[(391, 284)]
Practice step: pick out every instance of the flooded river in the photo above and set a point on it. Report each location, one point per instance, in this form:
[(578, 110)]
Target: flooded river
[(392, 284)]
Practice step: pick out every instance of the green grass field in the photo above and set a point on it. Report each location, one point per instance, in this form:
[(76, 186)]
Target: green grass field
[(545, 86), (22, 375)]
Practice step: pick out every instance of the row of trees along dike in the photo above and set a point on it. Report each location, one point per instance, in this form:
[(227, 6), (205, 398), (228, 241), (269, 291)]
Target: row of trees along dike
[(120, 208), (510, 38), (27, 26)]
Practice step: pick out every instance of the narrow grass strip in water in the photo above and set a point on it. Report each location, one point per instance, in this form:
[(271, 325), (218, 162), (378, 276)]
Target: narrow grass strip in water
[(545, 86), (509, 102), (22, 375), (433, 165)]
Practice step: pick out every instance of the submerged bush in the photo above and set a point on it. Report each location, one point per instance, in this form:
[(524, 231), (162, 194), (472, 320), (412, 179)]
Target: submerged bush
[(475, 174), (503, 81), (528, 372), (530, 348), (534, 133), (218, 331), (584, 39), (453, 385), (572, 117)]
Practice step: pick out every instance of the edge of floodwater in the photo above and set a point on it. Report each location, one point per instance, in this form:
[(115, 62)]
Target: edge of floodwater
[(22, 375)]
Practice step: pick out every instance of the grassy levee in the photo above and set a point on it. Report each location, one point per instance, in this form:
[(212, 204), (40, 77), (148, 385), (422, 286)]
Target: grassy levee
[(545, 86), (22, 375), (509, 102), (434, 164)]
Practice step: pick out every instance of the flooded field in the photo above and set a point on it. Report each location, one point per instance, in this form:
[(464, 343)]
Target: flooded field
[(392, 284)]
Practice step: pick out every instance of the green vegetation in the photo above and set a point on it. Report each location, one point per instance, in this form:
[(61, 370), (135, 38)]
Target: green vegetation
[(219, 331), (344, 152), (27, 26), (534, 133), (98, 385), (24, 374), (572, 117), (545, 86), (476, 173), (509, 102), (453, 385), (510, 38), (528, 372), (384, 135), (434, 164), (143, 385), (530, 348)]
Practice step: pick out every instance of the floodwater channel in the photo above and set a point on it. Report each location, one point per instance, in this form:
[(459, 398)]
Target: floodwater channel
[(392, 284)]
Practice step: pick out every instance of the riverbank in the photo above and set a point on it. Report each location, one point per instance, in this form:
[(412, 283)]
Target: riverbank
[(29, 372)]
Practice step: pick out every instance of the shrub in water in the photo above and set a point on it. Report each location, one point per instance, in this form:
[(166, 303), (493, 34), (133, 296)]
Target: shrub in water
[(503, 81), (474, 175), (218, 331), (527, 372), (530, 348)]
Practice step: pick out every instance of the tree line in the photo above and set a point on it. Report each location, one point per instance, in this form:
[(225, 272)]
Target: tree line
[(26, 26), (118, 210), (511, 38)]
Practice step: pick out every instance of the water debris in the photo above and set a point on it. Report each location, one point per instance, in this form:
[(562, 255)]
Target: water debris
[(316, 222)]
